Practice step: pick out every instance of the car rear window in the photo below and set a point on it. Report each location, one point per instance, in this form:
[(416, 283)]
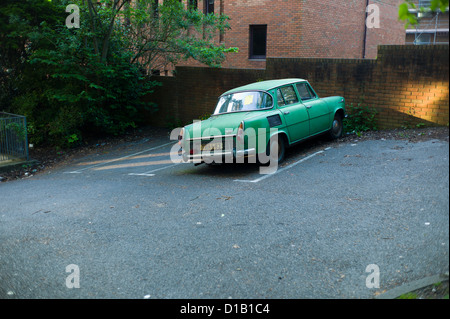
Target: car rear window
[(286, 95), (305, 91), (243, 101)]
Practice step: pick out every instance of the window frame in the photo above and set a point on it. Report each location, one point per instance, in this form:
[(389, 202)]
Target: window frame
[(252, 29), (207, 6), (279, 89), (309, 88)]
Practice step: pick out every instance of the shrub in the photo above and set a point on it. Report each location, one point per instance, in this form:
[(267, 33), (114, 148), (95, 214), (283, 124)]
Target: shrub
[(360, 118)]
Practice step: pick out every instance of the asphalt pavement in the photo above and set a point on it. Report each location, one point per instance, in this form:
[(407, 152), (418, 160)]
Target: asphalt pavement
[(337, 220)]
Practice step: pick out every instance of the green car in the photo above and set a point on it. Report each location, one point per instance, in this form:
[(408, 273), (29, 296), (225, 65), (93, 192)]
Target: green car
[(259, 121)]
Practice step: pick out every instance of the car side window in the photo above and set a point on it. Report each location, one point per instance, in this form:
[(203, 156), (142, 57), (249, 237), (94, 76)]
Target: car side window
[(286, 95), (280, 98), (265, 101), (305, 91)]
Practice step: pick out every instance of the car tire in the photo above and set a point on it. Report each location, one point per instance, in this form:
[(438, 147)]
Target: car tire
[(337, 127), (276, 143)]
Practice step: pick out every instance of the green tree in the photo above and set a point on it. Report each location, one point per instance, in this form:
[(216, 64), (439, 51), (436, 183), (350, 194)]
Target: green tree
[(411, 19), (17, 20), (92, 79), (164, 35)]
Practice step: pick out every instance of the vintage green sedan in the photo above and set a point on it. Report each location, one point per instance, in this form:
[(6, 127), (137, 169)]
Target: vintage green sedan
[(260, 121)]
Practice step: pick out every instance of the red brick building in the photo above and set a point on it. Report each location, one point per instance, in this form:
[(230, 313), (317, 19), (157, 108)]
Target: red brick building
[(305, 28)]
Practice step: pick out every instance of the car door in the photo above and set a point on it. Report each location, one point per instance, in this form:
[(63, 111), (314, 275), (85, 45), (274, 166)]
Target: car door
[(318, 111), (294, 112)]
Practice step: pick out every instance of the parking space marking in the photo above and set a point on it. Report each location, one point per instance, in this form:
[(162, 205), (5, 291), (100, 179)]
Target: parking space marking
[(149, 173), (136, 164), (78, 171), (142, 174), (281, 169), (129, 158)]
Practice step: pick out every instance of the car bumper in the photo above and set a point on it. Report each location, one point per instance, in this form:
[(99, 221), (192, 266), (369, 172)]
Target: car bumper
[(219, 156)]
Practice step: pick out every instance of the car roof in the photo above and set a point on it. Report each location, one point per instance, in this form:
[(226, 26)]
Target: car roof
[(264, 85)]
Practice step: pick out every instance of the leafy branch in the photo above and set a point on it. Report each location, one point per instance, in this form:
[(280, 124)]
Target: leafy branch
[(405, 14)]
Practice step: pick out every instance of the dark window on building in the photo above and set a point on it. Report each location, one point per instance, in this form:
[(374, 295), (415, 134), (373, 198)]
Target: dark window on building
[(258, 41), (208, 6), (193, 5), (423, 38)]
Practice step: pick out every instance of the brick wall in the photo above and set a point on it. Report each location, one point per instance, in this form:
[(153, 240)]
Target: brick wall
[(406, 84), (391, 30), (332, 29), (193, 92), (307, 28)]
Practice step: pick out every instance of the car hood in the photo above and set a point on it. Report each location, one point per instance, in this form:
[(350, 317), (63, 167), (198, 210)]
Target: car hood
[(216, 125)]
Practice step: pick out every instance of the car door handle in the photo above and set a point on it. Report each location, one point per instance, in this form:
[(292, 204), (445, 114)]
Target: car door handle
[(308, 106), (286, 112)]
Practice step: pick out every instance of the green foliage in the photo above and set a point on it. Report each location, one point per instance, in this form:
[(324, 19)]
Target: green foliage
[(72, 139), (410, 18), (73, 92), (408, 295), (173, 123), (360, 119), (17, 20), (72, 83), (205, 116), (420, 125), (173, 34), (18, 129)]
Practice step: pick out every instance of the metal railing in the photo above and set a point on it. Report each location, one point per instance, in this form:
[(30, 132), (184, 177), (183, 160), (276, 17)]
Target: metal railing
[(421, 4), (431, 25), (427, 26), (424, 3), (13, 137), (426, 43)]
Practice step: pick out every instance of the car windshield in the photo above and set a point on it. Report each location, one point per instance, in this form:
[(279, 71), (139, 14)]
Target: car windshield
[(243, 101)]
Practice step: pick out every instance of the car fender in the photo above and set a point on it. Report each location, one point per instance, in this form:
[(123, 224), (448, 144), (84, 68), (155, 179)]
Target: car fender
[(336, 105)]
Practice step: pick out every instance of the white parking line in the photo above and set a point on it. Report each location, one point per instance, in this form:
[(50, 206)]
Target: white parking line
[(281, 169), (142, 174), (152, 171), (118, 159)]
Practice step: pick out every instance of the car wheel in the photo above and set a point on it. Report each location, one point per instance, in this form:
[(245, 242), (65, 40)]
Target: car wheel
[(276, 149), (337, 127)]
